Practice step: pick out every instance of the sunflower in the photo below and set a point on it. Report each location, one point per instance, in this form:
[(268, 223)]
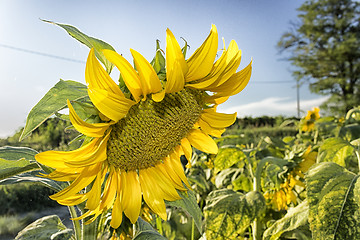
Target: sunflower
[(309, 120), (135, 151)]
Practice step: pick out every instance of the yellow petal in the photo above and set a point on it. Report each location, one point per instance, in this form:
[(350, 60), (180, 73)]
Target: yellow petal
[(83, 180), (116, 215), (201, 62), (206, 128), (57, 159), (97, 77), (175, 164), (131, 195), (186, 146), (235, 84), (223, 68), (98, 155), (91, 130), (202, 141), (173, 54), (217, 120), (149, 80), (73, 200), (112, 106), (158, 97), (162, 181), (216, 99), (131, 78), (167, 170), (175, 80), (109, 191), (152, 195), (95, 193)]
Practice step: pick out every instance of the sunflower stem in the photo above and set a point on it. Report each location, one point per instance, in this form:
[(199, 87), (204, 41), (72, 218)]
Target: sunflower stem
[(76, 223), (90, 230), (192, 229), (159, 225)]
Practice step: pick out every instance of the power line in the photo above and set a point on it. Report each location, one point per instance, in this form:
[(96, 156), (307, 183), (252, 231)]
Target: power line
[(79, 61), (40, 53), (273, 82)]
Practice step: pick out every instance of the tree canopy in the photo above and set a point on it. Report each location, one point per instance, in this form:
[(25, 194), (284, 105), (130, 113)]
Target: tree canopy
[(324, 47)]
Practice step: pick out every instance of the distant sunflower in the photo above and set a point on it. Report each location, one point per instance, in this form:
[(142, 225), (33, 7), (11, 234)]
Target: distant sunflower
[(309, 120), (135, 152)]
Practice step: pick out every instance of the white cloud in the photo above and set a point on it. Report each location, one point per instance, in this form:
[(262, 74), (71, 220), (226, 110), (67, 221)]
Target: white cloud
[(274, 106)]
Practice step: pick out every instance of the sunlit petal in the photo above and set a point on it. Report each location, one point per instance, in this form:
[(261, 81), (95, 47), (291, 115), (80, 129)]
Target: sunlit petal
[(202, 141), (128, 73), (201, 62)]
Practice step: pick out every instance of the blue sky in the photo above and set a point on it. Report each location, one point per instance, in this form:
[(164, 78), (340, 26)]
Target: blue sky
[(256, 25)]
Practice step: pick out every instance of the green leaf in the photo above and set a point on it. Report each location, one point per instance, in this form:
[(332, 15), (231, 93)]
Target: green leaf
[(53, 101), (242, 183), (49, 227), (228, 214), (189, 204), (144, 231), (16, 160), (336, 150), (293, 219), (91, 42), (32, 177), (334, 197), (227, 157)]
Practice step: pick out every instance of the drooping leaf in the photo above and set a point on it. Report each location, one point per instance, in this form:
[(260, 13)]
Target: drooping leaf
[(16, 160), (90, 42), (228, 214), (49, 227), (53, 101), (144, 231), (189, 204), (293, 219), (334, 199), (227, 157), (32, 177), (336, 150)]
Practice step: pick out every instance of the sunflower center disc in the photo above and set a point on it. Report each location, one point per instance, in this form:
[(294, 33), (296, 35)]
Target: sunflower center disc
[(151, 130)]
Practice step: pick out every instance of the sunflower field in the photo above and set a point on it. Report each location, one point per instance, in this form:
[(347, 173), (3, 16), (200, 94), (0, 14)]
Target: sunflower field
[(155, 161)]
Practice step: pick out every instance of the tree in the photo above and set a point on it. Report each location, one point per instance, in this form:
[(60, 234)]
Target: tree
[(325, 49)]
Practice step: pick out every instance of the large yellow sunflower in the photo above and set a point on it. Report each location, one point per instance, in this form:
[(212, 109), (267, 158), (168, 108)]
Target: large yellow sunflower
[(135, 152)]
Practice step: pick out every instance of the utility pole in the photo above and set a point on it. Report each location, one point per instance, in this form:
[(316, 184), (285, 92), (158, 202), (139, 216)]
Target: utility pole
[(298, 97)]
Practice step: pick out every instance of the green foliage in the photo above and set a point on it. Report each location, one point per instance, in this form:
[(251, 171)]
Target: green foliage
[(146, 232), (293, 219), (324, 47), (228, 214), (90, 42), (49, 227), (53, 101), (333, 196), (16, 160), (189, 205)]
